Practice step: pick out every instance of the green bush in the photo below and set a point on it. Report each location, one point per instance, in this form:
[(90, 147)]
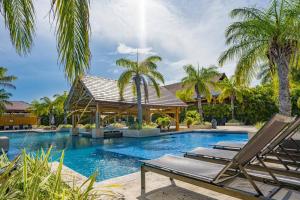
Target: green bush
[(149, 125), (258, 105), (163, 121), (216, 111), (65, 126), (193, 117), (258, 125), (89, 126), (33, 179), (295, 95)]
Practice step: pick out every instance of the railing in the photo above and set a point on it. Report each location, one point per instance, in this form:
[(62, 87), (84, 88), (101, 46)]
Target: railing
[(17, 119)]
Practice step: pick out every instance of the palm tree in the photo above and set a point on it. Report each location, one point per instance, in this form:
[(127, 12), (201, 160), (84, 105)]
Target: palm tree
[(59, 103), (141, 74), (5, 80), (230, 89), (4, 97), (200, 80), (272, 34), (72, 30)]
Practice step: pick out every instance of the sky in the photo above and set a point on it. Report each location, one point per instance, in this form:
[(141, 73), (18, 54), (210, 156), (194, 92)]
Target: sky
[(180, 31)]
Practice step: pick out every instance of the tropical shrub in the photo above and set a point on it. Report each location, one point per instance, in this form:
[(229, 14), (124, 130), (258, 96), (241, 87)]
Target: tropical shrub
[(89, 126), (64, 126), (163, 121), (33, 179), (192, 117), (258, 125), (220, 112), (149, 125), (189, 122), (258, 105), (118, 125), (295, 95)]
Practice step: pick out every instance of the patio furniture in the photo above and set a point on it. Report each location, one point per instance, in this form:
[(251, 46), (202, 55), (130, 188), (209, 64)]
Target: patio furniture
[(224, 156), (214, 176)]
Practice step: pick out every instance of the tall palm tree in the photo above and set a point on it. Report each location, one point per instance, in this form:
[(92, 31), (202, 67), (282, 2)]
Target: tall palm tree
[(4, 97), (230, 89), (72, 30), (200, 80), (141, 73), (273, 34), (6, 80)]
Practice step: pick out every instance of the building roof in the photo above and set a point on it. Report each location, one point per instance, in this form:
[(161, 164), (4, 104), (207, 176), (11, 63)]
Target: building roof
[(17, 106), (178, 86), (106, 90)]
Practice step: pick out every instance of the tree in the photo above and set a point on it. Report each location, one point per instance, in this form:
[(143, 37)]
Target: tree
[(59, 104), (6, 80), (200, 80), (273, 34), (141, 74), (4, 97), (50, 108), (230, 89), (186, 95), (72, 30)]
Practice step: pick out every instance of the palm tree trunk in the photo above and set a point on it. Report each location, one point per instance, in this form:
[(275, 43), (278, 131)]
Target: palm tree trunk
[(285, 107), (199, 105), (65, 117), (139, 101), (232, 107)]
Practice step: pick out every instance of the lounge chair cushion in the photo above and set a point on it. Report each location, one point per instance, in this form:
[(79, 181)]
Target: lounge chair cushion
[(215, 153), (234, 145), (202, 170)]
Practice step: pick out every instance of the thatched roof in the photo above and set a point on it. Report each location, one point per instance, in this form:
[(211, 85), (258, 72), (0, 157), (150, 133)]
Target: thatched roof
[(17, 106), (106, 91), (178, 86)]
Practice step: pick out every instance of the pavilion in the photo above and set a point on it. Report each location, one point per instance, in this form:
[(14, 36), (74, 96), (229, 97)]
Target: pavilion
[(100, 96)]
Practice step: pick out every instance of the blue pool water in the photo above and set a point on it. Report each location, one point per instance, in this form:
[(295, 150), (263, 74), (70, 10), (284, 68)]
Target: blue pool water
[(113, 157)]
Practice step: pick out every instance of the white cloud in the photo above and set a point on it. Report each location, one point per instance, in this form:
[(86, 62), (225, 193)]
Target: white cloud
[(124, 49), (181, 33)]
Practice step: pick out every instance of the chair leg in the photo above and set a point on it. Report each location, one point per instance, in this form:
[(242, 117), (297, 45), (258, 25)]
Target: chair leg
[(251, 181), (143, 181)]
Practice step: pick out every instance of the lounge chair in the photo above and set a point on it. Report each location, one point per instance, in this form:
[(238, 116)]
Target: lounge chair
[(224, 156), (213, 176)]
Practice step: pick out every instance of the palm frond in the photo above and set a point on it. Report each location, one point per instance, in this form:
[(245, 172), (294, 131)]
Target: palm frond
[(73, 35), (129, 64), (5, 80), (153, 59), (123, 81), (146, 92), (19, 18), (155, 85), (158, 76)]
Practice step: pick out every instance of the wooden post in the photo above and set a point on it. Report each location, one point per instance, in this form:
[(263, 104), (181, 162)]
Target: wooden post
[(177, 118), (97, 116), (73, 120)]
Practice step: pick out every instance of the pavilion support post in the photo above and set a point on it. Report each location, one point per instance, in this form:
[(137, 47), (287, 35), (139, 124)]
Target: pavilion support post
[(74, 130), (97, 132), (147, 115), (177, 119)]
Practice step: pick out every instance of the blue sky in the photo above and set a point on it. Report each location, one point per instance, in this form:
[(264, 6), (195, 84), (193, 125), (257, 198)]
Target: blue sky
[(180, 31)]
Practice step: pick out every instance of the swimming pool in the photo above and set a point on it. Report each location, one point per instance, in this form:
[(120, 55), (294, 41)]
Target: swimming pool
[(113, 157)]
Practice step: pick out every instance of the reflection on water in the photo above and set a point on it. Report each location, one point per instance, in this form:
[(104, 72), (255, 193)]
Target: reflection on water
[(112, 157)]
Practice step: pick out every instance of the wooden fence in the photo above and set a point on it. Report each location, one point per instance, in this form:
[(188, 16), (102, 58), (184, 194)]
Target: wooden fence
[(16, 119)]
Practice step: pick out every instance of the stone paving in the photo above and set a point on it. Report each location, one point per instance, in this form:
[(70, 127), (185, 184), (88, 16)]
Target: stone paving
[(161, 188)]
